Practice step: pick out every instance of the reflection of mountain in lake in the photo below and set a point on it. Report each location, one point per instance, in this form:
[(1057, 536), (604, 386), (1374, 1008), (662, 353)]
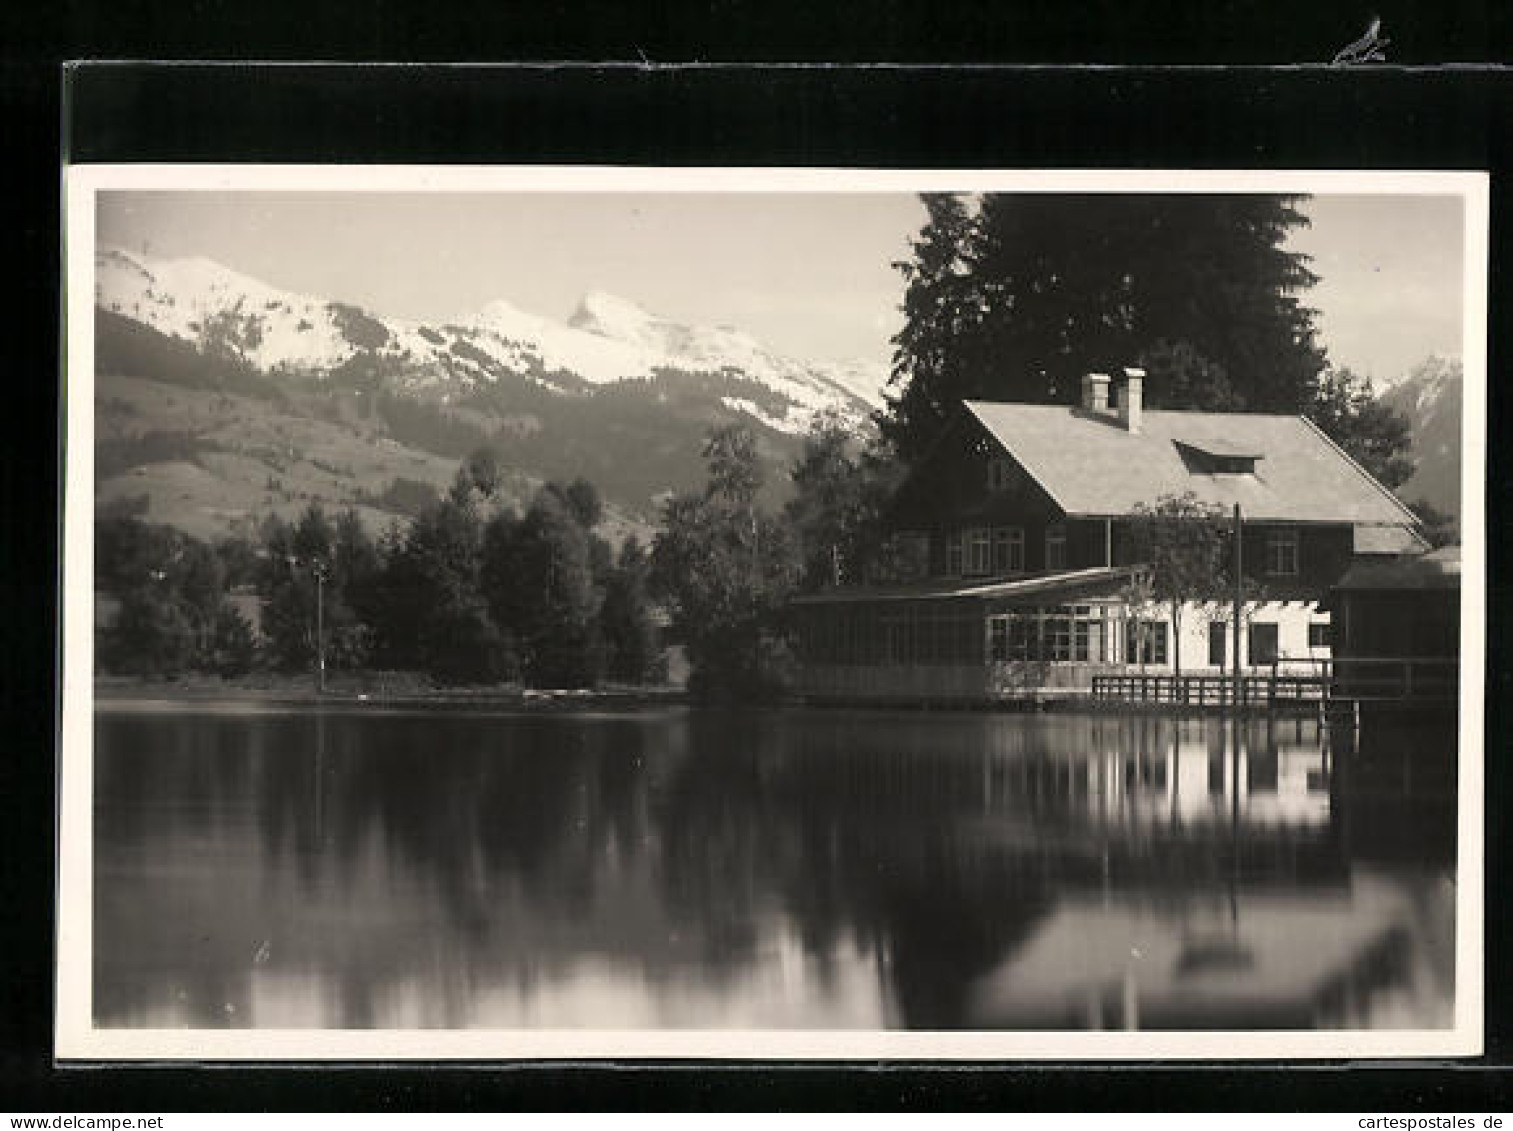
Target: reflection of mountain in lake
[(769, 869)]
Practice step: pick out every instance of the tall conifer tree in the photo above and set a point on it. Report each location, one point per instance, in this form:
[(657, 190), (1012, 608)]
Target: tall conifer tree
[(1018, 297)]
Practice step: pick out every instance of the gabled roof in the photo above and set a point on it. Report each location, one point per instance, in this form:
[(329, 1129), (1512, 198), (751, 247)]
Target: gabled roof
[(1091, 466), (1380, 540), (1437, 570)]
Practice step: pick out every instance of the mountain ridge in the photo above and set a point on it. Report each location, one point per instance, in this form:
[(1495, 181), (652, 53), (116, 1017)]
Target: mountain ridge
[(220, 399), (607, 338), (1431, 396)]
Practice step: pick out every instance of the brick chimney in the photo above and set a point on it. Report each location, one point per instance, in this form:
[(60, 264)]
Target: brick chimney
[(1095, 392), (1131, 399)]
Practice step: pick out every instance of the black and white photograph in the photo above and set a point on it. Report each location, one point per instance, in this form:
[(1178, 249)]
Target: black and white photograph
[(772, 614)]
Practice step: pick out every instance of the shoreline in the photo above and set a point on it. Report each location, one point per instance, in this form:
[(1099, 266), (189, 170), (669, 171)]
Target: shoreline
[(401, 691), (298, 692)]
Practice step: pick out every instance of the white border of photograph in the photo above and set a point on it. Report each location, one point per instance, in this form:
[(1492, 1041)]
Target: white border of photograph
[(78, 1039)]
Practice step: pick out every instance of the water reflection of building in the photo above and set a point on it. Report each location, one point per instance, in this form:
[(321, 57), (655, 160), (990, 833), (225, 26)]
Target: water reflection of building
[(1337, 958), (1229, 896), (1151, 774)]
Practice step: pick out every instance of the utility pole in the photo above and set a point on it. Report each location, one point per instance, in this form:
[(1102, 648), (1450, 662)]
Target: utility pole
[(320, 626), (1239, 561), (318, 571)]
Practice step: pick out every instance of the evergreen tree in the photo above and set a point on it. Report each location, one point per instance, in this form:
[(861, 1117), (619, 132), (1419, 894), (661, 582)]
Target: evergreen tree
[(836, 509), (313, 535), (1017, 300), (483, 471), (233, 648), (1178, 376), (289, 617), (153, 635), (538, 581), (239, 560), (583, 500), (316, 566), (941, 315), (433, 614), (172, 587), (198, 580), (1346, 409), (625, 617), (727, 570), (353, 576), (130, 553)]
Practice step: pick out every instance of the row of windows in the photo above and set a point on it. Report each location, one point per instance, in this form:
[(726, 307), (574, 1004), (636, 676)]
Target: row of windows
[(1263, 641), (1066, 633), (1089, 633), (982, 550), (932, 640)]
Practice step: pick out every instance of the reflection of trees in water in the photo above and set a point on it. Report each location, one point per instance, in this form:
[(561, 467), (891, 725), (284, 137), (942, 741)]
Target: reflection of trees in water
[(455, 811), (935, 842), (204, 756), (462, 802), (174, 782)]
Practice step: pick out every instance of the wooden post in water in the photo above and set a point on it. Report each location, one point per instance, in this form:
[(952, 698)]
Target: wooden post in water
[(1239, 586)]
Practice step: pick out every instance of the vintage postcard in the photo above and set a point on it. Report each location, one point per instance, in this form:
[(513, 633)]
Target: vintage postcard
[(772, 614)]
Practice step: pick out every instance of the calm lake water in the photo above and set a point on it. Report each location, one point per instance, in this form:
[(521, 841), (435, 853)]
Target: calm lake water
[(776, 869)]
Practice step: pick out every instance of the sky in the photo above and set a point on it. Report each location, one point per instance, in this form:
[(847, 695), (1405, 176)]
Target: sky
[(809, 274)]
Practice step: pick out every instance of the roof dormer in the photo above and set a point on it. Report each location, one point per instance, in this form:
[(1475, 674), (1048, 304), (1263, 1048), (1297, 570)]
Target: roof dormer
[(1218, 457)]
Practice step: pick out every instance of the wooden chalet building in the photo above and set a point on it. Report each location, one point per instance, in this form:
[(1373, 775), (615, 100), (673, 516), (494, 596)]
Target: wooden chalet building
[(1013, 553)]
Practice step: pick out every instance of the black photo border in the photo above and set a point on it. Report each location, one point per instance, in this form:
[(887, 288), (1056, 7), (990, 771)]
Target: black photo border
[(743, 115)]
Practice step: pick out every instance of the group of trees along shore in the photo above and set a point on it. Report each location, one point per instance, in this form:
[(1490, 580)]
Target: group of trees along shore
[(535, 598), (1007, 297)]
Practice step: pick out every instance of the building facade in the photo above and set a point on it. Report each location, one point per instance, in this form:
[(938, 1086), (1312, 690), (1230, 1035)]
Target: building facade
[(1014, 558)]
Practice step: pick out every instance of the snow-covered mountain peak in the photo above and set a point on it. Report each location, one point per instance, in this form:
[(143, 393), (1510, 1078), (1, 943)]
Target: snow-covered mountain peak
[(683, 345), (1430, 397), (611, 315), (607, 339), (503, 317), (201, 301)]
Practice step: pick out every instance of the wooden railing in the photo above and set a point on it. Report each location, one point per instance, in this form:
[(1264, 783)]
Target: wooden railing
[(1385, 679), (1198, 690)]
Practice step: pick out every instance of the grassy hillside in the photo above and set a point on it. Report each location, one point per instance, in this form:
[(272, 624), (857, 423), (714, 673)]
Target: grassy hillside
[(207, 461)]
